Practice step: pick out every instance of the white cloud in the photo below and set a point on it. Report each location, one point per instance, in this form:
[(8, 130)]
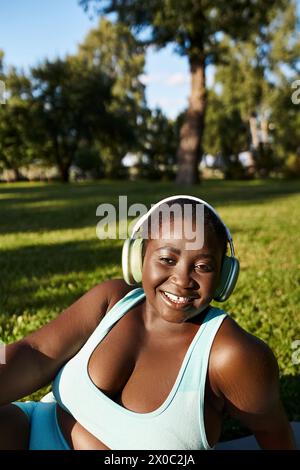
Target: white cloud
[(177, 79), (170, 106), (151, 78)]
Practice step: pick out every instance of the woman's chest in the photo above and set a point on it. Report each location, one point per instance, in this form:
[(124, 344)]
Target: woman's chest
[(139, 371), (136, 370)]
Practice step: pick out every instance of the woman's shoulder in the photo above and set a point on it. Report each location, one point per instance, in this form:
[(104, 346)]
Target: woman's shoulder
[(233, 340), (239, 360), (115, 290)]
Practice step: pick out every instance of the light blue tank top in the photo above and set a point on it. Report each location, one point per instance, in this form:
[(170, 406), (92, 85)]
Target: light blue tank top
[(178, 424)]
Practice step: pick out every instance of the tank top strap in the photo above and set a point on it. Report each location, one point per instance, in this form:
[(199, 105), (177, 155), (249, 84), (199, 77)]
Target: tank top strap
[(195, 374), (121, 307), (216, 317), (212, 324), (111, 317)]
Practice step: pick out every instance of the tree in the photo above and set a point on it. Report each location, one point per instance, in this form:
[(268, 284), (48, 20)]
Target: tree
[(86, 106), (253, 82), (112, 48), (284, 114), (158, 146), (69, 108), (15, 148), (196, 29), (285, 118), (226, 135)]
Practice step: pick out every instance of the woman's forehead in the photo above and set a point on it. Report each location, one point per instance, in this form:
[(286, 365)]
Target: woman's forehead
[(177, 228), (160, 225), (192, 233), (193, 242)]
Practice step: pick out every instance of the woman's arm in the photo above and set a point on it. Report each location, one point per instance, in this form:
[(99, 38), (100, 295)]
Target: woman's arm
[(34, 361), (247, 376)]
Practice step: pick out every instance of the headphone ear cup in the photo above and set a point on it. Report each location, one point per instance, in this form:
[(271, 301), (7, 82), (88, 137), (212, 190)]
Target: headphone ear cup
[(132, 261), (228, 278)]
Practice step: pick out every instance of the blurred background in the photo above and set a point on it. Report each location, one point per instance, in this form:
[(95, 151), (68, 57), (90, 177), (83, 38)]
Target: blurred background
[(147, 99)]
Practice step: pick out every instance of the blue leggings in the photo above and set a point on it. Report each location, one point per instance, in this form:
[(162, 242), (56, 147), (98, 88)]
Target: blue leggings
[(45, 433)]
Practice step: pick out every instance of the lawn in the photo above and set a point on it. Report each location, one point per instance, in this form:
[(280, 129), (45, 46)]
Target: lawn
[(50, 255)]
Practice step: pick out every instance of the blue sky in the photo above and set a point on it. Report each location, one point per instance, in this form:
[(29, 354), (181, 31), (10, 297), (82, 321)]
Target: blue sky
[(31, 30)]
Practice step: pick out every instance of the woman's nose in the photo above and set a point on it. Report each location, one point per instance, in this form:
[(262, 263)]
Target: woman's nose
[(183, 276)]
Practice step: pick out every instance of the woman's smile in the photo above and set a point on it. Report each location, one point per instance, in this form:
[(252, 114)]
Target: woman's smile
[(175, 301)]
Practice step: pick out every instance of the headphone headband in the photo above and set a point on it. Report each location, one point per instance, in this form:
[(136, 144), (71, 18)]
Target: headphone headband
[(144, 217)]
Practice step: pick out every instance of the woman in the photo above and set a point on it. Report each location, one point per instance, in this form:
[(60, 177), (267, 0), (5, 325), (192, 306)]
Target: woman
[(151, 367)]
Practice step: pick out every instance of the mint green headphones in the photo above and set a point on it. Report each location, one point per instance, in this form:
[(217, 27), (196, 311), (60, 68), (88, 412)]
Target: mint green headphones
[(132, 259)]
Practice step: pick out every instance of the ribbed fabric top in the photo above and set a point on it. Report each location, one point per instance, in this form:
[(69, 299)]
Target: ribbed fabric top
[(178, 424)]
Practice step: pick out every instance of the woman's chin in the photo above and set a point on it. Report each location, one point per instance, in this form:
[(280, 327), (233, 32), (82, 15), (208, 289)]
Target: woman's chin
[(176, 313)]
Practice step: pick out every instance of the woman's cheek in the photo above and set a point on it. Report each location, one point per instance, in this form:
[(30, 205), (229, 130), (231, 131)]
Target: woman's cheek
[(153, 274), (211, 285)]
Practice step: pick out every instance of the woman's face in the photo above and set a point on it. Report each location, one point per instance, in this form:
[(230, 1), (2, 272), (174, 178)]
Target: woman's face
[(179, 283)]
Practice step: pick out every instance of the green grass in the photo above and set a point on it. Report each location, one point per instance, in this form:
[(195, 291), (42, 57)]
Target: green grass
[(50, 255)]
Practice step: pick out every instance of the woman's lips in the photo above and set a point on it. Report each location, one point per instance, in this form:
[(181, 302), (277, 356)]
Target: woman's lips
[(178, 303)]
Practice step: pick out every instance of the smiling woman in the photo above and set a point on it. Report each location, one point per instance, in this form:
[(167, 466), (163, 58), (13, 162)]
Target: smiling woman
[(148, 363), (177, 273)]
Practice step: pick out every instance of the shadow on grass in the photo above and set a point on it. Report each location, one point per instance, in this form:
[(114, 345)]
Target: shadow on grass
[(290, 395), (51, 271), (57, 207)]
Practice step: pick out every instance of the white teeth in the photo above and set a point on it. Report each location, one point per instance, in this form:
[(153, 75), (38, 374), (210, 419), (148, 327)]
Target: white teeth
[(177, 299)]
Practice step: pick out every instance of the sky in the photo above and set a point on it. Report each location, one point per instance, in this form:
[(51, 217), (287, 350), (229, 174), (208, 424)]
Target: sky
[(31, 30)]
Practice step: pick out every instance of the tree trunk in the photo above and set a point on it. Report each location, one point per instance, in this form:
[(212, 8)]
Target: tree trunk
[(63, 166), (190, 147), (64, 173), (253, 131), (17, 175)]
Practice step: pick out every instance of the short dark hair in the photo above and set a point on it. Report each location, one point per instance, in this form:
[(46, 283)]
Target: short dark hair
[(211, 222)]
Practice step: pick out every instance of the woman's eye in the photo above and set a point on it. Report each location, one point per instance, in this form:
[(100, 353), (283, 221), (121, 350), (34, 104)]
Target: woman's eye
[(204, 268), (168, 261)]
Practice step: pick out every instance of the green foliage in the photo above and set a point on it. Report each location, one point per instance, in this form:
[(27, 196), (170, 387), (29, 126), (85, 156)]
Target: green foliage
[(226, 133), (113, 49), (50, 255), (70, 108), (190, 25), (158, 146), (285, 41), (88, 159), (292, 166), (91, 99), (15, 122), (1, 61), (95, 100), (285, 118), (251, 82), (196, 29)]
